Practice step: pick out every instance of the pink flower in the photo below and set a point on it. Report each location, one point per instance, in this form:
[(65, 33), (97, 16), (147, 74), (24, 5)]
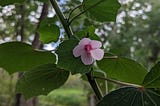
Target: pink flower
[(89, 50)]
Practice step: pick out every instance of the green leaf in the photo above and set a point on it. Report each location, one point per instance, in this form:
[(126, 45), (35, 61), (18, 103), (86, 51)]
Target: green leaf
[(48, 31), (41, 80), (18, 56), (101, 10), (130, 96), (88, 32), (152, 79), (123, 69), (67, 61)]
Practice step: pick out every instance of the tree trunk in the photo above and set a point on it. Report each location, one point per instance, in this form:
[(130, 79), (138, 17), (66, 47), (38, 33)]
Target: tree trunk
[(20, 101)]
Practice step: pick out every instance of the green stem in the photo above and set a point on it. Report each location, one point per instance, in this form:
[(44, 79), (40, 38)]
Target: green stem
[(62, 18), (111, 57), (69, 32), (119, 82), (94, 85)]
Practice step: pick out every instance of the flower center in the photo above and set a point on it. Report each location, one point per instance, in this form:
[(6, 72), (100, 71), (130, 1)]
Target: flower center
[(88, 48)]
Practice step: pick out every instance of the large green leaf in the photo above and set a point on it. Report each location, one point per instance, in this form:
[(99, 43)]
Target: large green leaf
[(48, 31), (41, 80), (18, 56), (130, 96), (67, 61), (123, 69), (152, 79), (101, 10)]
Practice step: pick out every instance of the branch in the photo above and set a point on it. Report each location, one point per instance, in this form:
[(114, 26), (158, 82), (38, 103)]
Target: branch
[(62, 18), (94, 85), (36, 43)]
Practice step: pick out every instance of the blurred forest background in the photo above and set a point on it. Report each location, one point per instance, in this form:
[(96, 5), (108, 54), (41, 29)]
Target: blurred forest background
[(136, 34)]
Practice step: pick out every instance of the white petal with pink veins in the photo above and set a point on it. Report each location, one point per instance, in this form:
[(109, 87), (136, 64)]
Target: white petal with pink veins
[(84, 41), (95, 44), (78, 50), (97, 54), (86, 59)]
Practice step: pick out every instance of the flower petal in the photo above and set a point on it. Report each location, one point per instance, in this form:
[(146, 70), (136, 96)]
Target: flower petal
[(97, 54), (86, 59), (84, 41), (78, 50), (96, 44)]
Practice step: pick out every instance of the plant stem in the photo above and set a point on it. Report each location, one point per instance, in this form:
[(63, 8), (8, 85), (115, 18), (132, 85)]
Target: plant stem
[(111, 57), (62, 18), (94, 85), (69, 32), (119, 82)]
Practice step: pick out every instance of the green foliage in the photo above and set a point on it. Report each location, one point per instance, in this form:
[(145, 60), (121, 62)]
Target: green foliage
[(65, 97), (18, 56), (130, 96), (101, 10), (152, 79), (88, 32), (67, 61), (41, 80), (70, 97), (48, 31), (123, 69), (8, 2), (43, 75), (7, 85)]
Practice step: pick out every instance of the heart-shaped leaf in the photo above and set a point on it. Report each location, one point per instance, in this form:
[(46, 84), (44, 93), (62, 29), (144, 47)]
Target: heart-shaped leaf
[(48, 31), (41, 80)]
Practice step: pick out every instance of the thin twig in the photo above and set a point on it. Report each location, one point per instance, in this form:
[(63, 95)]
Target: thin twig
[(118, 82), (94, 85), (111, 57), (62, 18)]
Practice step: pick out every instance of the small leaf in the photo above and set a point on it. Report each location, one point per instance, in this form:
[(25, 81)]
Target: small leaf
[(101, 10), (18, 56), (67, 61), (130, 96), (123, 69), (152, 79), (88, 32), (48, 31), (41, 80)]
